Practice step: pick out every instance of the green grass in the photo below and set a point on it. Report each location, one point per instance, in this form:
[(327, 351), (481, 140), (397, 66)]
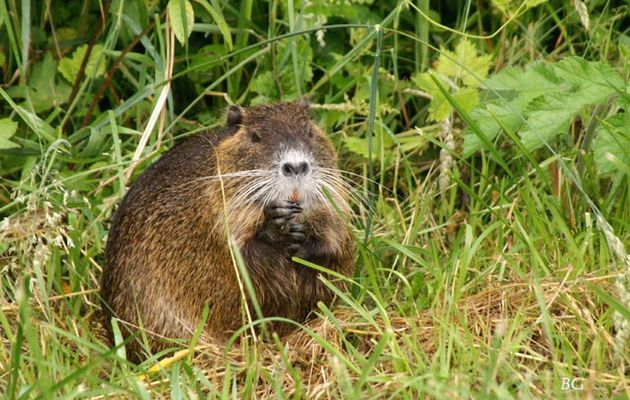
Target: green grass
[(493, 279)]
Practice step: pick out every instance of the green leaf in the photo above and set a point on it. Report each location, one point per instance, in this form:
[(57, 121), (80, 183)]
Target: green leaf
[(510, 7), (217, 16), (464, 64), (42, 75), (486, 118), (455, 67), (269, 85), (39, 126), (357, 145), (264, 85), (612, 140), (592, 75), (473, 126), (95, 67), (624, 47), (549, 117), (288, 76), (43, 92), (467, 98), (540, 101), (66, 34), (7, 129), (440, 108), (525, 84), (584, 84), (412, 142), (181, 24)]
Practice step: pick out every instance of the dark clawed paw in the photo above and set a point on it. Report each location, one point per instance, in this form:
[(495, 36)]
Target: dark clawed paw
[(295, 233), (294, 237), (294, 248), (278, 225), (280, 212)]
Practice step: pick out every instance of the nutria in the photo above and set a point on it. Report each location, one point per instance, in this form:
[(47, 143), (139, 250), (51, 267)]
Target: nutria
[(269, 178)]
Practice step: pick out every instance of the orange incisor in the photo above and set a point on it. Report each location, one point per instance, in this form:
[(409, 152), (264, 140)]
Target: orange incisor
[(295, 196)]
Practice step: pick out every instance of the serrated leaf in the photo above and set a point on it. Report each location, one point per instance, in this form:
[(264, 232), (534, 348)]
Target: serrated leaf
[(592, 81), (588, 73), (7, 130), (536, 79), (95, 67), (440, 108), (487, 118), (182, 17), (464, 64), (613, 139), (546, 96), (468, 98), (265, 85), (424, 82), (584, 84), (549, 116), (43, 91)]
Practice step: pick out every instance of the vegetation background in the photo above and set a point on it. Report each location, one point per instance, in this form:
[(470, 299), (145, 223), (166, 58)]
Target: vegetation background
[(487, 142)]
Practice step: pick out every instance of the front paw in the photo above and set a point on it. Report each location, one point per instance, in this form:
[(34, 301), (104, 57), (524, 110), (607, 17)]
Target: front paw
[(278, 213), (278, 227), (294, 237)]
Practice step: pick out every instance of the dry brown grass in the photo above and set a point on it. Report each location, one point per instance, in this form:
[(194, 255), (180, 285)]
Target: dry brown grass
[(486, 315)]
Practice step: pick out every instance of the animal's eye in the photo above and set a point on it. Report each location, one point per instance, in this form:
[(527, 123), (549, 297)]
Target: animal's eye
[(255, 137)]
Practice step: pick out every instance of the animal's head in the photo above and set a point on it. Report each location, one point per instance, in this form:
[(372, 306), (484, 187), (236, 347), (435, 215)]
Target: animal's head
[(277, 152)]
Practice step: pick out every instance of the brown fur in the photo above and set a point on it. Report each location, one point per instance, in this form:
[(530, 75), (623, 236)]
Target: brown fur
[(167, 252)]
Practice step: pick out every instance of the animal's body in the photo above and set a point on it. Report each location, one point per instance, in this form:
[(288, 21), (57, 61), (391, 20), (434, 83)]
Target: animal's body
[(266, 181)]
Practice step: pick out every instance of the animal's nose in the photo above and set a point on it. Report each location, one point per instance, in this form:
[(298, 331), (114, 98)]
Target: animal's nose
[(295, 169)]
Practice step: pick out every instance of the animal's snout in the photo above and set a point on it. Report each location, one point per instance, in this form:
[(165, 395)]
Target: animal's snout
[(295, 163), (295, 168)]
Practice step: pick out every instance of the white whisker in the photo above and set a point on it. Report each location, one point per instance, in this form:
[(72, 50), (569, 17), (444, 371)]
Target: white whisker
[(341, 185)]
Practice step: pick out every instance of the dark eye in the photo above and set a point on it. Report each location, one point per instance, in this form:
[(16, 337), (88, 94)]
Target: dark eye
[(255, 137)]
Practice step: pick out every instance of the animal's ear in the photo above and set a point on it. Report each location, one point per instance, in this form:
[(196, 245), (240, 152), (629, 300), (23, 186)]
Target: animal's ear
[(304, 103), (235, 115)]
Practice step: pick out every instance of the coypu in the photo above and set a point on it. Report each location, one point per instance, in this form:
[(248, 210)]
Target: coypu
[(269, 178)]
